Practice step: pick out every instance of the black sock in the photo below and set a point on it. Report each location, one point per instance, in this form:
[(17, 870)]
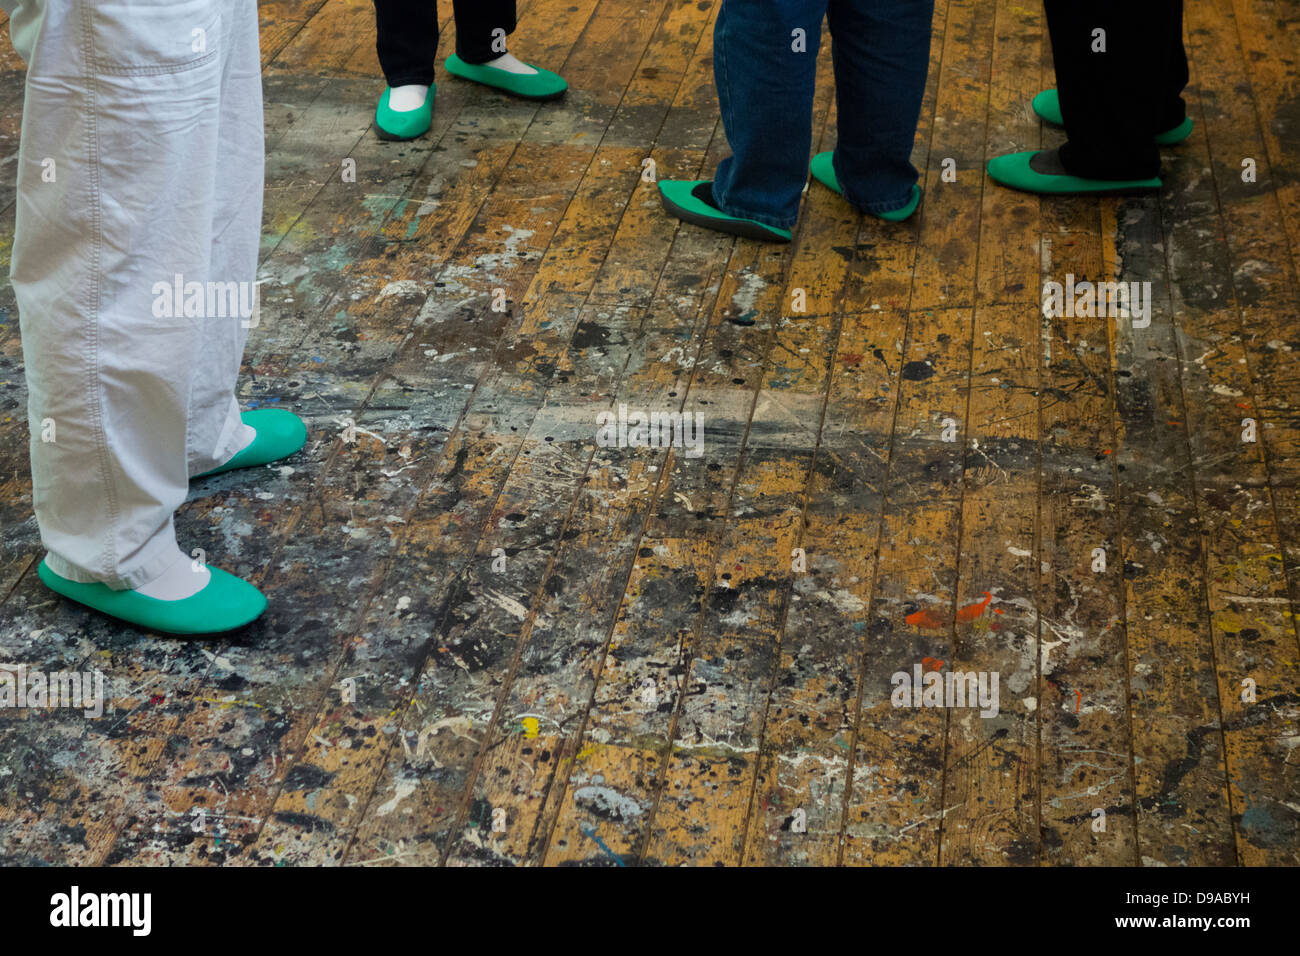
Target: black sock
[(1048, 162), (704, 193)]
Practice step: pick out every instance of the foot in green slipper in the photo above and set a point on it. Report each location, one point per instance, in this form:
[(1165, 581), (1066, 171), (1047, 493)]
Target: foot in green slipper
[(823, 170), (691, 200), (402, 124), (223, 604), (1047, 105), (537, 85), (1041, 172), (279, 434)]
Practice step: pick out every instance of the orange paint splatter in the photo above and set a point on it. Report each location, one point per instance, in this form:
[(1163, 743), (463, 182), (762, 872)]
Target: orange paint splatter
[(933, 618), (931, 663), (924, 619), (998, 610), (971, 611)]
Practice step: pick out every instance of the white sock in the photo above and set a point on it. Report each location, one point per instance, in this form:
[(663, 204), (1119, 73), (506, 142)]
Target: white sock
[(406, 98), (507, 62), (179, 581), (249, 433)]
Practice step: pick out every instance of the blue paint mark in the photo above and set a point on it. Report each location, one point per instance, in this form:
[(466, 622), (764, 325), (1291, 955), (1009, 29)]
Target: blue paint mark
[(589, 831)]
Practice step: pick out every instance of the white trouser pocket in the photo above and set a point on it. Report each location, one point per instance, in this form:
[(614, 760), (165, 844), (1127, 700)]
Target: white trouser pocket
[(151, 36)]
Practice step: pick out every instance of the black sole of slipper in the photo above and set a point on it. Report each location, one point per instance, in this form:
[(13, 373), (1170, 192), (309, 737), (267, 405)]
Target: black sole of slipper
[(733, 227)]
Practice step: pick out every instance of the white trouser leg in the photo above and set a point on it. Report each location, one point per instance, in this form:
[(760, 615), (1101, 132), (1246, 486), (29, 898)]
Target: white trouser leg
[(124, 184), (214, 435)]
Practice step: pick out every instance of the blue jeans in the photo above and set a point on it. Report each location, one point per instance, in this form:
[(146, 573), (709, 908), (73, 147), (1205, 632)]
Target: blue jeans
[(881, 50)]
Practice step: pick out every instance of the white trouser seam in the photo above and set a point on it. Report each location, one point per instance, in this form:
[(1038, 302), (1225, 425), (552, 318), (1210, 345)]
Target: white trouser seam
[(95, 380)]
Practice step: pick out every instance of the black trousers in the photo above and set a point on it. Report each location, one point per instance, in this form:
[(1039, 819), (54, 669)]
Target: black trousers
[(1114, 102), (407, 35)]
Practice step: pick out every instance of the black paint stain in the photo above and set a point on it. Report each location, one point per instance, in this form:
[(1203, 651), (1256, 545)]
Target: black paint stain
[(917, 371)]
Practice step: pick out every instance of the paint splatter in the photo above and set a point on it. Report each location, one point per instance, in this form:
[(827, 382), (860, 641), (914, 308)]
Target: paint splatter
[(607, 802), (591, 833), (925, 618), (402, 790), (931, 663), (971, 611), (932, 618), (917, 371)]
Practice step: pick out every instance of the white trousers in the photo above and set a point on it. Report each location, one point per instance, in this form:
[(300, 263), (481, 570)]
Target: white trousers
[(135, 252)]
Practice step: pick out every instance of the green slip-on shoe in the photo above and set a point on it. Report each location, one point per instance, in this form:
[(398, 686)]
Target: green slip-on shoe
[(691, 200), (280, 433), (542, 85), (1047, 105), (1040, 171), (823, 170), (225, 603), (399, 125)]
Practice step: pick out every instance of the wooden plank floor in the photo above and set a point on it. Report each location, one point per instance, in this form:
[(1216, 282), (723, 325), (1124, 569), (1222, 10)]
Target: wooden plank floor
[(564, 653)]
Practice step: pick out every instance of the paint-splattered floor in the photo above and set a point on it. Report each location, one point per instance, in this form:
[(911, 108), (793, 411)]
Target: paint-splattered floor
[(568, 653)]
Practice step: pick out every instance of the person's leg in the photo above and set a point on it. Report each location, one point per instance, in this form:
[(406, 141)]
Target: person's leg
[(1112, 70), (882, 57), (1110, 84), (406, 36), (221, 438), (128, 206), (1172, 112), (765, 66), (216, 430), (1172, 125), (481, 54), (481, 29), (117, 165)]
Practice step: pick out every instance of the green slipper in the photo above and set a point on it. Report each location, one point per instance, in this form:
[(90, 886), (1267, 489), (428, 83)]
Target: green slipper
[(279, 434), (1040, 171), (225, 603), (691, 200), (1047, 105), (394, 124), (542, 85), (823, 170)]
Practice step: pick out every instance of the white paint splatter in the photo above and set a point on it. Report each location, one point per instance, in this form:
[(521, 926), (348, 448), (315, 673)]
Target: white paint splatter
[(608, 801), (218, 659), (403, 790), (507, 604), (399, 287), (743, 299)]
